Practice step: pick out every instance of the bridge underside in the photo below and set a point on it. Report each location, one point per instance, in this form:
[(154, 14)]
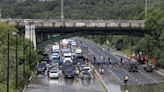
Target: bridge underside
[(71, 32), (94, 31)]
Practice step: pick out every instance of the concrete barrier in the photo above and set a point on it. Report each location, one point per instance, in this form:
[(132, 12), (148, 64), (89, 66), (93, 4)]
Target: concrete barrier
[(32, 75), (160, 73), (99, 77)]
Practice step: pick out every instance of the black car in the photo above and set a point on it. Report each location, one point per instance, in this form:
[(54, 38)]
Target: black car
[(41, 68), (149, 68), (85, 75), (69, 73), (133, 68)]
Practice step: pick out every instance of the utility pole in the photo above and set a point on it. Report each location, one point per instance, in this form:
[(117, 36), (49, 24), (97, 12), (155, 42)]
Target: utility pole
[(16, 57), (24, 63), (146, 9), (0, 13), (62, 11), (8, 60)]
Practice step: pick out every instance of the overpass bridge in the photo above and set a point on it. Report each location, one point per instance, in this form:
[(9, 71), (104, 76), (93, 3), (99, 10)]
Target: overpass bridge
[(33, 26)]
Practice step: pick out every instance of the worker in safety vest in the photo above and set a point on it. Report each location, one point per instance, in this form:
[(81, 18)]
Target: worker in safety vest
[(125, 79)]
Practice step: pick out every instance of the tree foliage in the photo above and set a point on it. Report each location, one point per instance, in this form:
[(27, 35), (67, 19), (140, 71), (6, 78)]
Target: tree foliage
[(74, 9), (4, 31)]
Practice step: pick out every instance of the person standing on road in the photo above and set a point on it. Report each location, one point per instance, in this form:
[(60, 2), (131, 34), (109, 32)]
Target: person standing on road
[(121, 60), (109, 60), (94, 58), (98, 63), (125, 79)]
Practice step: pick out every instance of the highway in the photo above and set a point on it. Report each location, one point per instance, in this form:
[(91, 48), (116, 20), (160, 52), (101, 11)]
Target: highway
[(42, 83), (112, 77), (115, 74)]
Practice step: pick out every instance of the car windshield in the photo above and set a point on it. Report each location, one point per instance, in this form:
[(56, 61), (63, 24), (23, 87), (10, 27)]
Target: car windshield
[(67, 56), (53, 71), (55, 54), (41, 65), (69, 71), (85, 73), (85, 69), (55, 60)]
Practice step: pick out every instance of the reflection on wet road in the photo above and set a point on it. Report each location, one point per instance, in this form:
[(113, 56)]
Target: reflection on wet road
[(144, 88), (42, 83)]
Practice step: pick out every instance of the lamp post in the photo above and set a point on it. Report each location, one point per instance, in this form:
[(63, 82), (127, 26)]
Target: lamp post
[(146, 9), (24, 64), (16, 58), (62, 11), (8, 56), (0, 13)]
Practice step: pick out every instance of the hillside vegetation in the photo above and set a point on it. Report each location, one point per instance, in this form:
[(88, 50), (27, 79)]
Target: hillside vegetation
[(75, 9)]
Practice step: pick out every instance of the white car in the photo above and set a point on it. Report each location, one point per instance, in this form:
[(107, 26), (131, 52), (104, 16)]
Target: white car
[(54, 73), (67, 60), (87, 69)]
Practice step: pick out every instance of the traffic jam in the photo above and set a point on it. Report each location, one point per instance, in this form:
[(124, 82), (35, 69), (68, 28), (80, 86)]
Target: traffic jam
[(64, 59)]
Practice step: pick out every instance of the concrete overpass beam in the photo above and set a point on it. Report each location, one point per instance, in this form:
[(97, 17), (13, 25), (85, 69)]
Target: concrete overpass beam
[(100, 24), (80, 24), (48, 24), (113, 24), (124, 24)]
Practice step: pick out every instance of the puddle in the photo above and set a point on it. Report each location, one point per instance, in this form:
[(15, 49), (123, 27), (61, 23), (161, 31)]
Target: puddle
[(143, 88)]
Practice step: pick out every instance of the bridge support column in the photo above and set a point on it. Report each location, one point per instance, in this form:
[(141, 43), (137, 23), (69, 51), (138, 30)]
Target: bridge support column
[(30, 34)]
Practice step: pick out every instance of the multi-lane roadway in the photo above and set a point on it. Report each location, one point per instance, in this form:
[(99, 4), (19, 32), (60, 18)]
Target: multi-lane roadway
[(112, 77), (135, 78)]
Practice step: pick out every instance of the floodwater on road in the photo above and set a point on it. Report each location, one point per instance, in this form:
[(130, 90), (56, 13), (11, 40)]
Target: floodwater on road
[(42, 83), (144, 88)]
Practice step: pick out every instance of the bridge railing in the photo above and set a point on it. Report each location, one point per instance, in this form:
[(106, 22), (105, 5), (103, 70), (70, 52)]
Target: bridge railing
[(75, 23)]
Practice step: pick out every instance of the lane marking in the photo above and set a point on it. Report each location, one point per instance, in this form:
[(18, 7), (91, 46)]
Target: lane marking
[(148, 77), (91, 50)]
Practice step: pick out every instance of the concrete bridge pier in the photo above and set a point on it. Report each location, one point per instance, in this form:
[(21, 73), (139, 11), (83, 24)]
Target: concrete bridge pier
[(30, 34)]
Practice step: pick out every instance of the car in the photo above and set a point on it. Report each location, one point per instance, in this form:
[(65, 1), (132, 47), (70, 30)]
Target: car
[(87, 69), (41, 67), (85, 75), (69, 72), (148, 68), (79, 59), (45, 59), (133, 68), (56, 61), (67, 65), (55, 54), (53, 73), (81, 66), (68, 59)]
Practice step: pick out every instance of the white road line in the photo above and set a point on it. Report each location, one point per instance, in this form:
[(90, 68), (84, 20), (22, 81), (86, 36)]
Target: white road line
[(137, 80), (113, 73), (148, 77), (143, 73), (115, 67)]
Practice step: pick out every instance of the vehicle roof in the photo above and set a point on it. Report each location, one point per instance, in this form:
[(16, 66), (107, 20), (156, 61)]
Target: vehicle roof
[(86, 67)]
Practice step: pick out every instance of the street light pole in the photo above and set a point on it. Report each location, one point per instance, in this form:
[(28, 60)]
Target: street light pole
[(8, 58), (146, 9), (24, 56), (0, 13), (16, 58), (62, 11)]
